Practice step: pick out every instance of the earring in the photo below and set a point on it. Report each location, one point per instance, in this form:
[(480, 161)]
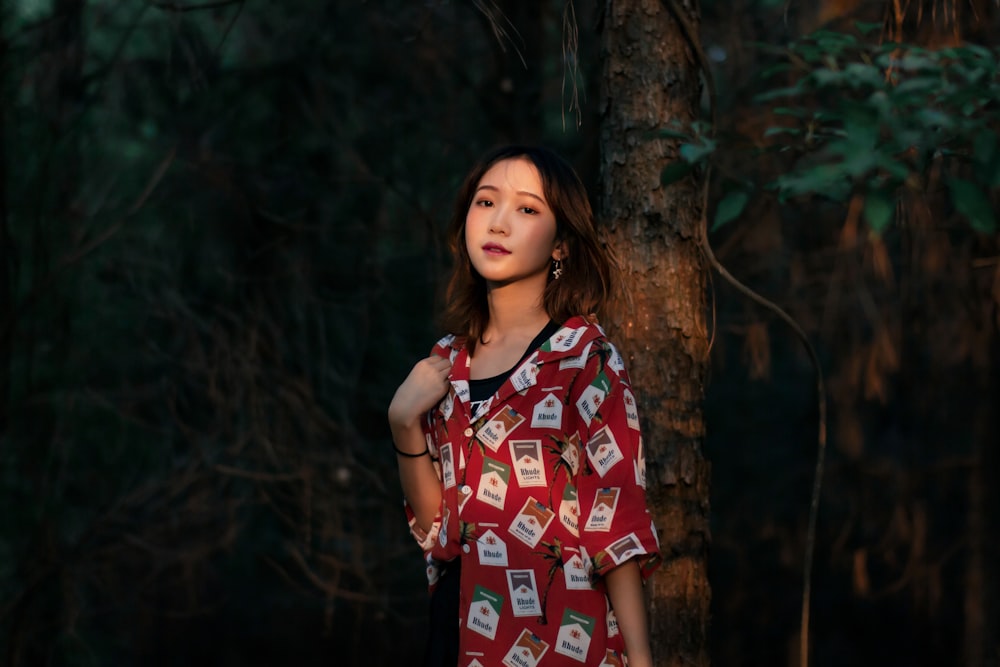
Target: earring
[(557, 270)]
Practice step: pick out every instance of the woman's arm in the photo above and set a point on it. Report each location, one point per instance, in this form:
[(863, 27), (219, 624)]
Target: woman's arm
[(625, 551), (426, 384), (421, 486), (625, 591)]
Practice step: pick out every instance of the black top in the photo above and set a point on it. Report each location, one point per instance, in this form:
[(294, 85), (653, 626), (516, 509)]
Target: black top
[(481, 390)]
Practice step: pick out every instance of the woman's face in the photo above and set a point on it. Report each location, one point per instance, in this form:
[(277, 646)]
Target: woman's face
[(510, 231)]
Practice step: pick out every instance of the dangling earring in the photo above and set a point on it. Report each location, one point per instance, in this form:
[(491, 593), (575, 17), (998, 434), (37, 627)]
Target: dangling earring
[(557, 270)]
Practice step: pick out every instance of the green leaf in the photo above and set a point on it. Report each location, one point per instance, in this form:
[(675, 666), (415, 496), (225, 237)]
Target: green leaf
[(827, 77), (779, 92), (780, 68), (976, 51), (906, 137), (675, 171), (809, 53), (825, 179), (865, 28), (879, 101), (857, 162), (834, 42), (897, 170), (915, 61), (729, 208), (701, 128), (798, 112), (935, 119), (771, 131), (861, 127), (858, 74), (878, 211), (973, 204), (695, 153), (918, 85)]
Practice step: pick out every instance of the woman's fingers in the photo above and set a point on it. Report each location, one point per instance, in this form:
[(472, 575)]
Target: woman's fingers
[(426, 384), (439, 367)]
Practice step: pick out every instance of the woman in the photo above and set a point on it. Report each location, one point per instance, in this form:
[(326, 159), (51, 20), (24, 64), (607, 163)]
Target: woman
[(518, 440)]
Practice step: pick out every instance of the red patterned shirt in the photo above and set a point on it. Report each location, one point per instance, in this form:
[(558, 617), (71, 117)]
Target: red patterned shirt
[(543, 492)]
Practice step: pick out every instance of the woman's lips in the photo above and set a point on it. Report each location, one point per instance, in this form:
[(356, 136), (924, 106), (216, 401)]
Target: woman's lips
[(495, 249)]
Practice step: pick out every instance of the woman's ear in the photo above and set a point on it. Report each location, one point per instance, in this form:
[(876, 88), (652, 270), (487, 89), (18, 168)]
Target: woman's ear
[(560, 251)]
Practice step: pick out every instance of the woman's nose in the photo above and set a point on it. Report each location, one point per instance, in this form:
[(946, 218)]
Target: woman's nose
[(498, 222)]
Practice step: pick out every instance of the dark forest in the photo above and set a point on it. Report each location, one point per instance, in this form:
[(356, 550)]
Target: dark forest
[(222, 247)]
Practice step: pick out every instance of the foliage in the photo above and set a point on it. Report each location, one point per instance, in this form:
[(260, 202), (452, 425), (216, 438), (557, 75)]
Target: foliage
[(872, 121), (905, 321), (224, 238), (225, 247)]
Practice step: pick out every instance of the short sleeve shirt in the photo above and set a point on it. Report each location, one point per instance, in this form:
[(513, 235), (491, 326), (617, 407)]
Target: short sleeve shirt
[(543, 492)]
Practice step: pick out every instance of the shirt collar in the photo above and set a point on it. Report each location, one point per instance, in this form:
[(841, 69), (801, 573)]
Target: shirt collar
[(570, 340)]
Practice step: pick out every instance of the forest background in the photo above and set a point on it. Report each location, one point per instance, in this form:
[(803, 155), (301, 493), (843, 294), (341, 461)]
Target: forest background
[(221, 238)]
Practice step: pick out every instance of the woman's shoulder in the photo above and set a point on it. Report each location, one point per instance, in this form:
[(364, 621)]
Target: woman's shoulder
[(579, 333), (584, 336), (448, 346)]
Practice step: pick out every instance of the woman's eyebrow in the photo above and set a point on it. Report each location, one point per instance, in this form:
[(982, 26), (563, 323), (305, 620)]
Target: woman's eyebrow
[(494, 188), (530, 194)]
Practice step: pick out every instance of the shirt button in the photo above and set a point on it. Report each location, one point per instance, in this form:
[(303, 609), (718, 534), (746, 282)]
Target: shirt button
[(468, 432), (466, 548)]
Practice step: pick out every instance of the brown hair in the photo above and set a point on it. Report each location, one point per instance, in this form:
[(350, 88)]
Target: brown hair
[(591, 275)]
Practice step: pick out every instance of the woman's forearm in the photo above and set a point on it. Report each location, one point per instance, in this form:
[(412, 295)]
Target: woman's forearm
[(625, 591), (421, 486)]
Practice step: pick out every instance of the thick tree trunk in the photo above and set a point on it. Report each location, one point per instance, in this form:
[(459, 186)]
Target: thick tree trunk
[(45, 604), (6, 246), (981, 636), (974, 640), (650, 78)]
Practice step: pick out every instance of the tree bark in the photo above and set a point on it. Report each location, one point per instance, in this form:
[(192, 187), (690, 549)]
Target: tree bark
[(974, 608), (6, 246), (981, 627), (649, 78)]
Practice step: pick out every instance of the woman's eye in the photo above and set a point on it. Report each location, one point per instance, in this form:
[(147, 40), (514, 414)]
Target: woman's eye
[(528, 210), (484, 202)]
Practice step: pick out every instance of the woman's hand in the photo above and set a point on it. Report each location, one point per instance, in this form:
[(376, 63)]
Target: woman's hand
[(422, 389), (426, 384)]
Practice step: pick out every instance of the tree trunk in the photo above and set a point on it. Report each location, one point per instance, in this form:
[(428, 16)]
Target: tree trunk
[(40, 338), (650, 77), (6, 247), (981, 636), (974, 642)]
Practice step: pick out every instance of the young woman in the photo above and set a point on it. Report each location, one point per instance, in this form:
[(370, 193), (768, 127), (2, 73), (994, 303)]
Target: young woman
[(518, 439)]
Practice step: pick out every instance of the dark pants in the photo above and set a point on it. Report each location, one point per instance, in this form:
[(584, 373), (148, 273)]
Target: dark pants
[(442, 640)]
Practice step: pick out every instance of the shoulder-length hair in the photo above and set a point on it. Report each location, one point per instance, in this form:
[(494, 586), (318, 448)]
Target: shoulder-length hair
[(591, 276)]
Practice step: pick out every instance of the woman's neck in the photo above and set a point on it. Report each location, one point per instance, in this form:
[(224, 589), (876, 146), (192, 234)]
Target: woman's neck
[(516, 311)]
